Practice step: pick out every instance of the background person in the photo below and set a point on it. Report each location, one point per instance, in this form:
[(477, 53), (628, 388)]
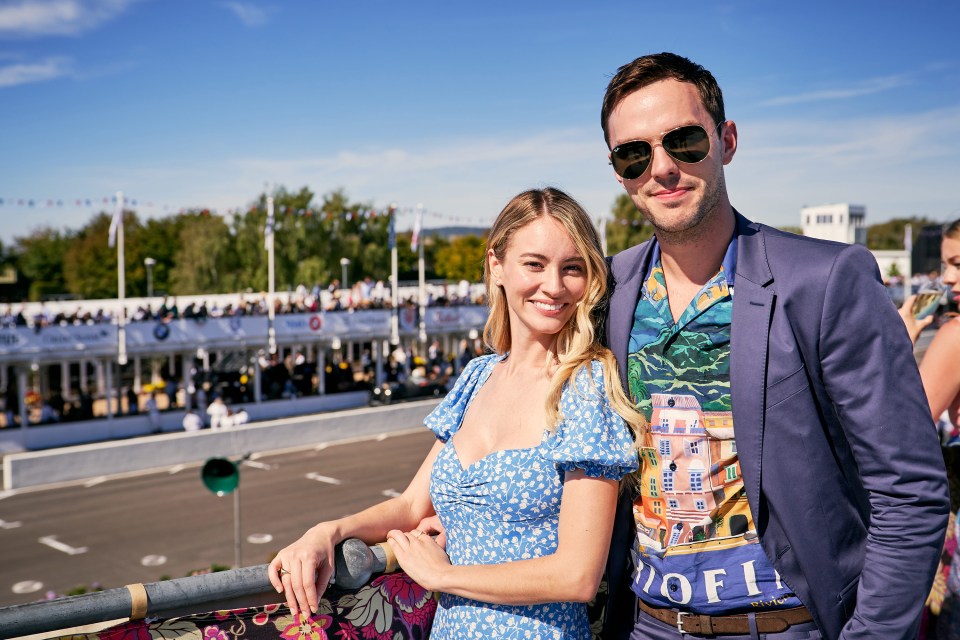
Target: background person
[(526, 498), (941, 380)]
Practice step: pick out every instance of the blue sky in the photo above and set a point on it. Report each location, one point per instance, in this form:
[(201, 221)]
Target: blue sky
[(458, 106)]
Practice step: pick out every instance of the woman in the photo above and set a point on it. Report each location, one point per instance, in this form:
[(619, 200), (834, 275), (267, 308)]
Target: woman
[(941, 378), (941, 381), (531, 443)]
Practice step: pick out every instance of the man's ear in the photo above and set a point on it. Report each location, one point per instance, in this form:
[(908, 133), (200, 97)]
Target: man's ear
[(728, 136)]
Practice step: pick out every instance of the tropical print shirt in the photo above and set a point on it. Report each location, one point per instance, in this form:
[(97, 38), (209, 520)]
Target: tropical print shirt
[(696, 546)]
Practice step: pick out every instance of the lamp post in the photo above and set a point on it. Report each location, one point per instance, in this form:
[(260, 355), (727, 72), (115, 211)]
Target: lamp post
[(149, 263), (344, 265)]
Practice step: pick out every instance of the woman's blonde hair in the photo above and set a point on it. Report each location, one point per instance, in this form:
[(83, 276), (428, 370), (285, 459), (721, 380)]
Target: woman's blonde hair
[(577, 343)]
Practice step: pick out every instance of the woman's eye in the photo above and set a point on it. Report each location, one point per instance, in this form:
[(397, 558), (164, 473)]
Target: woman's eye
[(533, 265)]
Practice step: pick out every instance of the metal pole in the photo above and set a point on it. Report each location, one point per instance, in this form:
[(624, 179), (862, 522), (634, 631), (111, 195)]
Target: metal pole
[(236, 528), (395, 281), (149, 262), (271, 329), (321, 370), (22, 390), (108, 389), (121, 288), (344, 266), (422, 287), (908, 247), (182, 596)]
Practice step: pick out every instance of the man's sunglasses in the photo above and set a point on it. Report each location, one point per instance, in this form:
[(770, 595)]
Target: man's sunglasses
[(689, 144)]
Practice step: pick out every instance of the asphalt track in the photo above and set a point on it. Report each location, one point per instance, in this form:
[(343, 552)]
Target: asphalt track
[(116, 530)]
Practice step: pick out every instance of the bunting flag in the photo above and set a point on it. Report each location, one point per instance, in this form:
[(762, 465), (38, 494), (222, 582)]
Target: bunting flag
[(417, 227), (116, 221), (268, 233), (355, 214)]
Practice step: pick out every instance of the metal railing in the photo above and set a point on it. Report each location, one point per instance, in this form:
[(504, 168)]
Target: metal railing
[(247, 586), (355, 563)]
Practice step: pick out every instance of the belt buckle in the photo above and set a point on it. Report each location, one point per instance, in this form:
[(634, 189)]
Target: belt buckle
[(680, 616)]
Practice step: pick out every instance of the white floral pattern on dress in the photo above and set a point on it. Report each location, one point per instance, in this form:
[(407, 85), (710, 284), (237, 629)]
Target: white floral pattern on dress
[(506, 505)]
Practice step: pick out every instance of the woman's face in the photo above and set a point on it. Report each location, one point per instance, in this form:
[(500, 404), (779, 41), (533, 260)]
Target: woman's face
[(950, 255), (543, 278)]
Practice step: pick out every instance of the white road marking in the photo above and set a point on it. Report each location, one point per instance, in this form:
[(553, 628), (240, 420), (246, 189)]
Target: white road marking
[(259, 538), (257, 465), (7, 493), (320, 478), (176, 469), (382, 437), (92, 482), (27, 586), (153, 560), (390, 493), (51, 541), (320, 447), (9, 525)]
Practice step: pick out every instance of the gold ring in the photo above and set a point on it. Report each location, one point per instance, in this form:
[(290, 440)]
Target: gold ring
[(283, 572), (417, 533)]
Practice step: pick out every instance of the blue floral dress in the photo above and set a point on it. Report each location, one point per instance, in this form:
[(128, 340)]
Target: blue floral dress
[(506, 506)]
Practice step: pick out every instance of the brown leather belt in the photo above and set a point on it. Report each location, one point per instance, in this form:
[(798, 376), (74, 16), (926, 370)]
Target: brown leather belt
[(767, 621)]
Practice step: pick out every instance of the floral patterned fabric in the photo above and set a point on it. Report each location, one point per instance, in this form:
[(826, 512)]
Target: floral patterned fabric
[(506, 506), (390, 607)]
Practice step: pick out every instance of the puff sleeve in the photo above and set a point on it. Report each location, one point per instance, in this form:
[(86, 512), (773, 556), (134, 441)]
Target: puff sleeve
[(446, 417), (591, 436)]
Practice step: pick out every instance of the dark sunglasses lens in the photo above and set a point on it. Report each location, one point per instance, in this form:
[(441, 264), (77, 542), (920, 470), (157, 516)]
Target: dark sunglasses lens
[(630, 160), (687, 144)]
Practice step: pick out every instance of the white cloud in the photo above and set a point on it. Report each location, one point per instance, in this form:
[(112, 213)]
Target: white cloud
[(29, 18), (24, 73), (894, 165), (867, 87), (249, 14)]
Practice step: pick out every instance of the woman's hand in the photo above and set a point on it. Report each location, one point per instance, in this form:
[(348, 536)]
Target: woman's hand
[(303, 570), (914, 326), (434, 527), (420, 557)]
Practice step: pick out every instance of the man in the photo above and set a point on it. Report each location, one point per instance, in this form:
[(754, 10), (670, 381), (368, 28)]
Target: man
[(191, 421), (792, 482)]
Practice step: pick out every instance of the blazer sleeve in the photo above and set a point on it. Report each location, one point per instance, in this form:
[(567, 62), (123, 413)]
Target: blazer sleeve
[(871, 376)]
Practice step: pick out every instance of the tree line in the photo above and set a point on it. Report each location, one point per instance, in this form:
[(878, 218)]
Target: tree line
[(199, 251)]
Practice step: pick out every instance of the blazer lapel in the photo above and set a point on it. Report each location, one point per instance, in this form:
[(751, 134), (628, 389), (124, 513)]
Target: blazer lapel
[(752, 312), (627, 270)]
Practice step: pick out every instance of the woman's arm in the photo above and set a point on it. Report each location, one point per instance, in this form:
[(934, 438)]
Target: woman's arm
[(571, 574), (309, 560), (939, 371)]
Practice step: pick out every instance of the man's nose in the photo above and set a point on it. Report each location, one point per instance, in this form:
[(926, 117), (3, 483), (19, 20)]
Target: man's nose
[(661, 163)]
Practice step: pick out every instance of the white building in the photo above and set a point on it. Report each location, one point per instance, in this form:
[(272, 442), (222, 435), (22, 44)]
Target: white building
[(837, 222)]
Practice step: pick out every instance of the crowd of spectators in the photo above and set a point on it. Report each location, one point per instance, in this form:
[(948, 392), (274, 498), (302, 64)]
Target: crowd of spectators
[(365, 294)]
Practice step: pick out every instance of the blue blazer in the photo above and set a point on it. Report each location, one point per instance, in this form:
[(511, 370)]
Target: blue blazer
[(839, 454)]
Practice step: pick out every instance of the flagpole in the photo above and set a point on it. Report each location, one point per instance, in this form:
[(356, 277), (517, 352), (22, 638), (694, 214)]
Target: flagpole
[(271, 329), (908, 247), (422, 282), (121, 287), (395, 285)]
